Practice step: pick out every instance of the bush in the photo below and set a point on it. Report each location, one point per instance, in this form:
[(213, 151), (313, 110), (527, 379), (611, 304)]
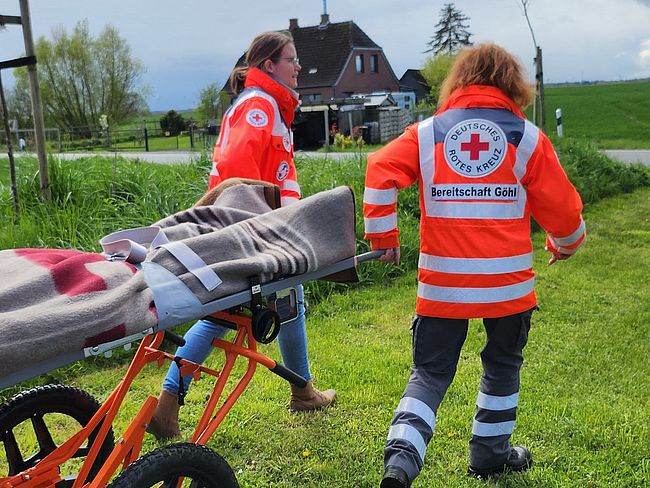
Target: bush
[(594, 174), (173, 122), (347, 142)]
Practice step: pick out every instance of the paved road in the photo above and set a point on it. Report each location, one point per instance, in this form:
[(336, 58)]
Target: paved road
[(630, 155), (624, 155), (168, 157)]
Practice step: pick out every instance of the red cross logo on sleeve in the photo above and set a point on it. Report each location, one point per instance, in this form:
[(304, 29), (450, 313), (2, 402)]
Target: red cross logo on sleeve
[(257, 118), (475, 146)]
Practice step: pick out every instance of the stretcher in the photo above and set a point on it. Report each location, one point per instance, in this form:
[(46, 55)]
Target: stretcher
[(256, 313)]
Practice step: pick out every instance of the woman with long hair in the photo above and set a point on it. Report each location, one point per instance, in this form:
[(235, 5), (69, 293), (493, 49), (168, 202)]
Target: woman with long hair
[(255, 142), (482, 170)]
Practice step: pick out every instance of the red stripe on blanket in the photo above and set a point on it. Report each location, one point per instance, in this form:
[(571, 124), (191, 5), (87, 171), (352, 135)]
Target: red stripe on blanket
[(110, 335), (68, 269)]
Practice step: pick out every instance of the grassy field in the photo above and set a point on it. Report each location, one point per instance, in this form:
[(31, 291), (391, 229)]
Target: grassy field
[(585, 384), (584, 395), (612, 115)]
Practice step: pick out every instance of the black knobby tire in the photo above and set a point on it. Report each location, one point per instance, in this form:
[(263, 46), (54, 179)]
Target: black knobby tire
[(165, 465), (32, 405)]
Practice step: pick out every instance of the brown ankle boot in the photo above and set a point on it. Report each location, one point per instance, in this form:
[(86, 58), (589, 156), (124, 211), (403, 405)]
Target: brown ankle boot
[(164, 423), (309, 398)]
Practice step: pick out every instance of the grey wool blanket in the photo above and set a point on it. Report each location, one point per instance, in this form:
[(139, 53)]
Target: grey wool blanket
[(55, 301)]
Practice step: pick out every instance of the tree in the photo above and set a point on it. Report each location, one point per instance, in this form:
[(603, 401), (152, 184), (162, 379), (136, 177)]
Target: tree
[(209, 104), (451, 32), (435, 70), (19, 103), (82, 78), (173, 122)]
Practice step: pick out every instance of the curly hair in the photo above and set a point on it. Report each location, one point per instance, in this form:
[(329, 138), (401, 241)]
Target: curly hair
[(267, 45), (491, 65)]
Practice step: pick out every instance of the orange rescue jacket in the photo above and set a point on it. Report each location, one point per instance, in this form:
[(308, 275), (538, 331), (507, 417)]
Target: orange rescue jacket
[(255, 140), (482, 169)]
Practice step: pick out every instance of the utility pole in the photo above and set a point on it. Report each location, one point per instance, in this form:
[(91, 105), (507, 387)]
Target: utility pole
[(539, 110), (539, 81), (37, 107)]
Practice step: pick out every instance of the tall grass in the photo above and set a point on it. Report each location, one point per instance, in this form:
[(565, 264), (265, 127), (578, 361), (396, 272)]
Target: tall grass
[(95, 196)]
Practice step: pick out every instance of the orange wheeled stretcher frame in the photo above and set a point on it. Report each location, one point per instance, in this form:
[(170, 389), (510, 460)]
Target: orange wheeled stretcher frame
[(45, 471)]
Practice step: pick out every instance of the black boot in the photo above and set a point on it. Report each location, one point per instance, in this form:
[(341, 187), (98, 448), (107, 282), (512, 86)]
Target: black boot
[(395, 477), (520, 459)]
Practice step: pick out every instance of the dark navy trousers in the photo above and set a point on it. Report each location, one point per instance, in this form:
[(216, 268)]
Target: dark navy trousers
[(437, 343)]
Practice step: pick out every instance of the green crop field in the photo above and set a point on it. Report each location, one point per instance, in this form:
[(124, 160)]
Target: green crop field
[(612, 115)]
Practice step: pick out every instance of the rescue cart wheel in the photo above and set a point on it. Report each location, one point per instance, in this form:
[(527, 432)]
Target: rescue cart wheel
[(199, 467), (40, 414)]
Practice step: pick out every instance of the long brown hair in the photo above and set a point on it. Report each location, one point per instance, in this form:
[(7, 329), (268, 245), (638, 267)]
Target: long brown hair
[(488, 64), (267, 45)]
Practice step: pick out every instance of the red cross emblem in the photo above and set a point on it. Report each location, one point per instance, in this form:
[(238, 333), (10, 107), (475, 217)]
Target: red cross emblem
[(256, 118), (475, 146)]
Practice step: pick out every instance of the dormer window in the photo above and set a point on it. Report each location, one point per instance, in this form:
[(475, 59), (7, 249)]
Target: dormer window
[(359, 63)]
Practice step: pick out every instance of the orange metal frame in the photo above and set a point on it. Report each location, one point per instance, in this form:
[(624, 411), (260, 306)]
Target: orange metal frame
[(127, 448)]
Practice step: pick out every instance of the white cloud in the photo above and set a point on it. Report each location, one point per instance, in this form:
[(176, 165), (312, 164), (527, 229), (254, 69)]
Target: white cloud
[(644, 54)]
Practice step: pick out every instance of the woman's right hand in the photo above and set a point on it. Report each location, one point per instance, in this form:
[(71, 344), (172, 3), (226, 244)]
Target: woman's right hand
[(391, 255)]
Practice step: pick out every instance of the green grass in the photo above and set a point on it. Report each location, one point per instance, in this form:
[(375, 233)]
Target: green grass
[(584, 401), (584, 394), (612, 115)]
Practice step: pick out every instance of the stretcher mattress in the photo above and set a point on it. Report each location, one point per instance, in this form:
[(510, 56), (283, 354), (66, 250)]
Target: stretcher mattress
[(57, 301)]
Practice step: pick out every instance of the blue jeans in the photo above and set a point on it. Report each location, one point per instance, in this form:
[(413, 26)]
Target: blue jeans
[(292, 340)]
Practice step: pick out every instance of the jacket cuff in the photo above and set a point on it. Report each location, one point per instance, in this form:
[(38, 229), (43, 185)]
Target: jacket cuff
[(384, 242)]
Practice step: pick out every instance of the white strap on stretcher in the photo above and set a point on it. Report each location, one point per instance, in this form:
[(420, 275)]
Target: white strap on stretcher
[(133, 245)]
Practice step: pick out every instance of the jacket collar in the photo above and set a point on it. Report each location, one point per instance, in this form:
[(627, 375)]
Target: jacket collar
[(286, 98), (480, 96)]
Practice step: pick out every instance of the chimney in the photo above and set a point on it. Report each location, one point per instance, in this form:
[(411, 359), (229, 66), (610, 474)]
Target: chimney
[(293, 24), (324, 20)]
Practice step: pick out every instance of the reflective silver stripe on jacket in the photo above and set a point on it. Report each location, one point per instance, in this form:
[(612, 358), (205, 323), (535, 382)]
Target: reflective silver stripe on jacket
[(497, 403), (571, 238), (284, 201), (291, 185), (409, 434), (481, 266), (378, 225), (380, 197), (475, 295), (419, 408), (279, 129), (473, 210)]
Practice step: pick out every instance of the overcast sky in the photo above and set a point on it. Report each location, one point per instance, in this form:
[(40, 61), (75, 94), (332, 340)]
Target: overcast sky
[(187, 45)]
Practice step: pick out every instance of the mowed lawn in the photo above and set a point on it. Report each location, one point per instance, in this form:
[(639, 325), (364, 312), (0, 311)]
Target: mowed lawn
[(584, 403)]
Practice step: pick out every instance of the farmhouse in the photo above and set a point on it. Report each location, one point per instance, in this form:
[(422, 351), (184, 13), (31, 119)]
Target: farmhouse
[(339, 60)]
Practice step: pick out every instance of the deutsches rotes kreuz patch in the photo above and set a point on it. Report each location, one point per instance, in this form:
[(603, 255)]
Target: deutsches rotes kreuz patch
[(475, 147), (257, 118), (283, 171), (286, 142)]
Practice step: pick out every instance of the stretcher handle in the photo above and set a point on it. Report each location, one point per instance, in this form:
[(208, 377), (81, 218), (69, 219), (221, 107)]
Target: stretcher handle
[(174, 338), (367, 256), (289, 375)]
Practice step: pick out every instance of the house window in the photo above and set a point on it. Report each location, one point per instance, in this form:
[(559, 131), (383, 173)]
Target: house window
[(374, 67), (359, 63), (314, 97)]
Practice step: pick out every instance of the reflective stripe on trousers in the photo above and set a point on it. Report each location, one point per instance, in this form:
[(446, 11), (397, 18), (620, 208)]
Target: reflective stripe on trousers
[(437, 343)]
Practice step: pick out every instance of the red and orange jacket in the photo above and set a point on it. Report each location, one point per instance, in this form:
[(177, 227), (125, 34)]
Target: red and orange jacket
[(482, 170), (255, 140)]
